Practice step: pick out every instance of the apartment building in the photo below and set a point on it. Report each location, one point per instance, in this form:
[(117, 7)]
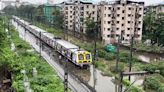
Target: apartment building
[(76, 12), (122, 19)]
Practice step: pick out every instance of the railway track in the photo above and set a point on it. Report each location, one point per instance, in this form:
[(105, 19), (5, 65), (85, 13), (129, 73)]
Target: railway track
[(74, 82)]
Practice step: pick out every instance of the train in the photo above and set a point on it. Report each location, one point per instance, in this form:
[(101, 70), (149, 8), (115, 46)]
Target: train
[(73, 53)]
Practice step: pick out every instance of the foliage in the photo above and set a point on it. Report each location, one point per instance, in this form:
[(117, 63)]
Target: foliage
[(150, 68), (151, 82), (120, 68), (23, 60), (161, 88), (153, 28), (91, 30)]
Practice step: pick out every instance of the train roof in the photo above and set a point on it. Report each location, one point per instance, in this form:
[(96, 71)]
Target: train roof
[(37, 28), (49, 35), (67, 45)]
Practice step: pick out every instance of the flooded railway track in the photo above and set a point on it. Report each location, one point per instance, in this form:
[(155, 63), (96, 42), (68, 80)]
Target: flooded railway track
[(74, 82)]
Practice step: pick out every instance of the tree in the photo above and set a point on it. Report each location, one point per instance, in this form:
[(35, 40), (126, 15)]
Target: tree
[(153, 28), (58, 18), (91, 29)]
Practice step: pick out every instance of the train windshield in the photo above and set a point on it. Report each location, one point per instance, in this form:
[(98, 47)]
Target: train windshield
[(88, 56), (81, 57)]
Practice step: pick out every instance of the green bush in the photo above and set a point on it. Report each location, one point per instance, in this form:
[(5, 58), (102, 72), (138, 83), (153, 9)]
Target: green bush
[(161, 88), (120, 68), (101, 53), (151, 83), (150, 68), (161, 68)]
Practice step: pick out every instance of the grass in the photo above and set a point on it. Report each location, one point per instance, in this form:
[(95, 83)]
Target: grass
[(46, 79)]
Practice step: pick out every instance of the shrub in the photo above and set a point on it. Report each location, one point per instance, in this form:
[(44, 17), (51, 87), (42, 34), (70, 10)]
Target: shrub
[(101, 53), (161, 68), (120, 68), (150, 68), (151, 83), (161, 88)]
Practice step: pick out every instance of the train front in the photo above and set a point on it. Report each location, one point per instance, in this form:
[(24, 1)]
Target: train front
[(84, 58)]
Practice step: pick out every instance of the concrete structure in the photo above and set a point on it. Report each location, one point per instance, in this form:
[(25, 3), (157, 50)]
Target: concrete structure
[(121, 19), (76, 13), (155, 8), (48, 10), (117, 19)]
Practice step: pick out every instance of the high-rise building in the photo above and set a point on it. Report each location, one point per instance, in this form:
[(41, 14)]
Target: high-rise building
[(122, 19), (76, 13)]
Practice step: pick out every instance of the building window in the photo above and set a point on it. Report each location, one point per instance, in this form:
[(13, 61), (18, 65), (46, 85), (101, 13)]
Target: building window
[(128, 35), (82, 8), (129, 22), (70, 6), (108, 29), (71, 21), (118, 8), (118, 22), (108, 36), (118, 15), (108, 22), (123, 18), (140, 9), (139, 22), (87, 12), (109, 8), (117, 35), (129, 15), (129, 8), (104, 15), (66, 8), (87, 6), (122, 24), (93, 12), (117, 29), (93, 18), (128, 28), (123, 11), (105, 8), (93, 6), (109, 15), (139, 28), (70, 25), (70, 16)]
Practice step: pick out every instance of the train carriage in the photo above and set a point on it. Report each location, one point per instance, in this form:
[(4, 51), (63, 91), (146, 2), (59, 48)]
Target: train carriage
[(70, 51)]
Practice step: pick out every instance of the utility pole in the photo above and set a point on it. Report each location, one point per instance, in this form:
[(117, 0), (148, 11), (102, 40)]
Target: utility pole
[(118, 52), (40, 45), (95, 54), (131, 55), (66, 76)]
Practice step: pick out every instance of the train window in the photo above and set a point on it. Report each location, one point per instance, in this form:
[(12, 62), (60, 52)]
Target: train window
[(87, 56), (81, 57)]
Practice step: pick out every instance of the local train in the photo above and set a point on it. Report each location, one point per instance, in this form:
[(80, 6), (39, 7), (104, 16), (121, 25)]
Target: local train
[(72, 52)]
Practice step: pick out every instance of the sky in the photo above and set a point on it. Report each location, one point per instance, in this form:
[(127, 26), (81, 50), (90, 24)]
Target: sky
[(147, 2)]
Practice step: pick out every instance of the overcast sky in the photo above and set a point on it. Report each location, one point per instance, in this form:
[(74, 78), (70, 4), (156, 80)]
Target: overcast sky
[(147, 2)]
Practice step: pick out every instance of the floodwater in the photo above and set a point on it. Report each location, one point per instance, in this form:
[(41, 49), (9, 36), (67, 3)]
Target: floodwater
[(148, 57), (91, 76)]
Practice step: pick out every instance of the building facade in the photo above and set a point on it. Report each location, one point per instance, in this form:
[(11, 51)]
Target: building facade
[(121, 20), (76, 13)]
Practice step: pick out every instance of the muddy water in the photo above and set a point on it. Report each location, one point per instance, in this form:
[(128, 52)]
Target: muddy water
[(148, 57), (96, 80)]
